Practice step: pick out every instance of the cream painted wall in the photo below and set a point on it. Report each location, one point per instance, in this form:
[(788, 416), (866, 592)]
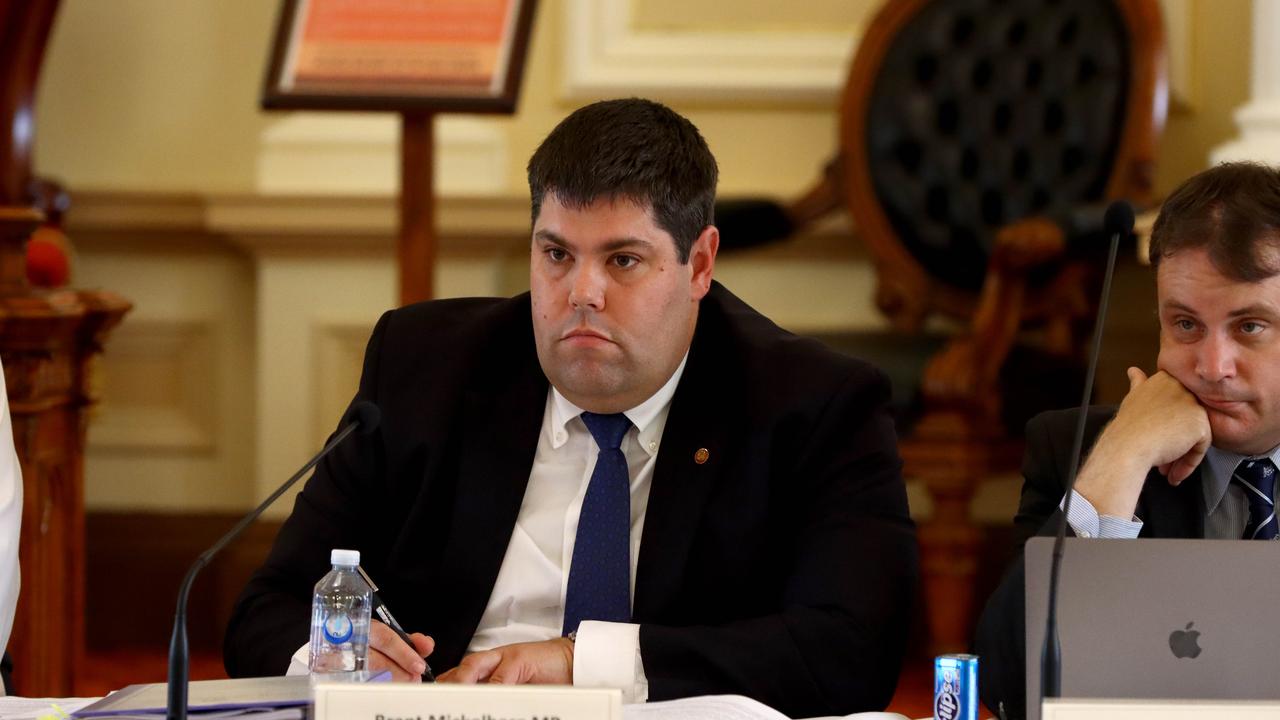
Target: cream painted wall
[(160, 96), (1219, 70), (180, 358), (157, 95), (752, 15)]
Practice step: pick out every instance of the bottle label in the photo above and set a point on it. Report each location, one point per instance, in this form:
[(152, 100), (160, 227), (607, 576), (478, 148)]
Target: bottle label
[(337, 628)]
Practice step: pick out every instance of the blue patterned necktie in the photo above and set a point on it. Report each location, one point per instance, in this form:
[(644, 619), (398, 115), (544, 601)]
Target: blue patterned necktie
[(1258, 478), (600, 577)]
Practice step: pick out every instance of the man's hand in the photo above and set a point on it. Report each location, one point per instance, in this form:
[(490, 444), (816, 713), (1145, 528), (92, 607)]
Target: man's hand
[(1160, 424), (388, 652), (547, 662)]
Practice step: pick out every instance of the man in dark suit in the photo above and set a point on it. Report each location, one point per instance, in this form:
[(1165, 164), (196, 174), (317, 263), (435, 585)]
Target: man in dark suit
[(766, 548), (1191, 451)]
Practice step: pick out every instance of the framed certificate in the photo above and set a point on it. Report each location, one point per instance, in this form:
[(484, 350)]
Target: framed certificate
[(399, 55)]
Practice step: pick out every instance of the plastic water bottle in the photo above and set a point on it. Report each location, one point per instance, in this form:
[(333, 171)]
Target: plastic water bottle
[(340, 613)]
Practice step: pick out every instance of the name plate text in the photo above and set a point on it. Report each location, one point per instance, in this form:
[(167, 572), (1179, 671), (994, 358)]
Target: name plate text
[(405, 701)]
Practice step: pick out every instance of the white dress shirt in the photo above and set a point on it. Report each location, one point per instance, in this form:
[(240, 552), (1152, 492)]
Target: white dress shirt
[(1225, 508), (10, 520), (527, 601)]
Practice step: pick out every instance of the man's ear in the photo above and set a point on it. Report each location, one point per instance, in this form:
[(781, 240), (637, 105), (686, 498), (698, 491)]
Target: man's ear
[(702, 258)]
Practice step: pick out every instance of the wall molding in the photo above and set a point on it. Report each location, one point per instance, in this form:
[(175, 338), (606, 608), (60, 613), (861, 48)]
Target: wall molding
[(605, 56), (170, 365), (343, 153), (467, 227), (338, 355), (360, 224)]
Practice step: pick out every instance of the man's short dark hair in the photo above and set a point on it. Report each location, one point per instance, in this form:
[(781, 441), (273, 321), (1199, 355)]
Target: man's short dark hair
[(636, 150), (1233, 211)]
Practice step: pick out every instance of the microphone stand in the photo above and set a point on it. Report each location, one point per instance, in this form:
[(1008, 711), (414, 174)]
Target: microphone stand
[(1119, 220), (179, 655)]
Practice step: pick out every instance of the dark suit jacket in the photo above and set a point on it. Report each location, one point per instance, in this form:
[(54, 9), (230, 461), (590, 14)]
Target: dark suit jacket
[(1166, 512), (783, 568)]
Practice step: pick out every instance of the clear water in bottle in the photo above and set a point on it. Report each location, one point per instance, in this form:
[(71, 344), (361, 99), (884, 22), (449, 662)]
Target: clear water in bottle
[(340, 611)]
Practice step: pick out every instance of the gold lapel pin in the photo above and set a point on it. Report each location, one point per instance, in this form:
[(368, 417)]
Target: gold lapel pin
[(700, 456)]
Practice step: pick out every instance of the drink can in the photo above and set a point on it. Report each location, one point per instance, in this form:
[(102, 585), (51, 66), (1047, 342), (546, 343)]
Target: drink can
[(955, 687)]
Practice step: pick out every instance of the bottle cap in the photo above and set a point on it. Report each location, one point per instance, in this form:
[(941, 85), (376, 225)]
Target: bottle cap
[(344, 557)]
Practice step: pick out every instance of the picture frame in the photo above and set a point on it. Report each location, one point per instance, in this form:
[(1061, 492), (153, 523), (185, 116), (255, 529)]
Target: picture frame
[(404, 56)]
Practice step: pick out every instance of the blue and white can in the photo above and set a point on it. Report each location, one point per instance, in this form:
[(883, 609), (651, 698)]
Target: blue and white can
[(955, 687)]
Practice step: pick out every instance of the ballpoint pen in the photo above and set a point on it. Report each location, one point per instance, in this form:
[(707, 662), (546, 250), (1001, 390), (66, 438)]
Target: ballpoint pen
[(384, 614)]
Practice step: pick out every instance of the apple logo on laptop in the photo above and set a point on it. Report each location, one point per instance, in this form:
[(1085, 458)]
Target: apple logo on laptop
[(1185, 643)]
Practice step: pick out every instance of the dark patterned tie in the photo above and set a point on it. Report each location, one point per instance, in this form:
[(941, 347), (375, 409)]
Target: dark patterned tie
[(1258, 478), (600, 577)]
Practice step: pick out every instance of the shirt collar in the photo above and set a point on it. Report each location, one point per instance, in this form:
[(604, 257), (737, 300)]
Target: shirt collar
[(649, 417), (1220, 466)]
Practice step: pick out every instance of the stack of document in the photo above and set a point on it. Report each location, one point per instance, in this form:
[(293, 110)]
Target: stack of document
[(24, 708), (271, 698)]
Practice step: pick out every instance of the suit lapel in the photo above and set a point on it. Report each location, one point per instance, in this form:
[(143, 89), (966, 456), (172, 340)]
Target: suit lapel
[(682, 484), (1172, 512), (499, 430)]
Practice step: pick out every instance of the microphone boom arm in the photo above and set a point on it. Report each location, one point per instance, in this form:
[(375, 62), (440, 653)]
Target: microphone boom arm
[(1119, 219), (179, 658)]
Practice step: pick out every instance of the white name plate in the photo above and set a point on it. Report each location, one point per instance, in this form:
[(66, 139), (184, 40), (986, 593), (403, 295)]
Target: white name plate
[(1159, 709), (406, 701)]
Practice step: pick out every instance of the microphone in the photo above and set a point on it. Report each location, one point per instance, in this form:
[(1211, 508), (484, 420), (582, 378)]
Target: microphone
[(1118, 219), (1118, 222), (362, 416)]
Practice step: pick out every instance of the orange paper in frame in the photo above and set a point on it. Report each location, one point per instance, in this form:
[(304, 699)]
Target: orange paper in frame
[(402, 46)]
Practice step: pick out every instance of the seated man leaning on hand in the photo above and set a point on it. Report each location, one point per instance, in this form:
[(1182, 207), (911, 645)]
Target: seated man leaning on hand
[(1191, 452), (626, 477)]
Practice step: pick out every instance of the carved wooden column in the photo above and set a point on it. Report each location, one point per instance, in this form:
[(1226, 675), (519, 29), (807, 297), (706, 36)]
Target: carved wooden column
[(47, 343), (952, 454)]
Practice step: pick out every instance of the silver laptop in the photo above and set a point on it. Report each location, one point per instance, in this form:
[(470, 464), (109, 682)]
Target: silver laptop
[(1158, 618)]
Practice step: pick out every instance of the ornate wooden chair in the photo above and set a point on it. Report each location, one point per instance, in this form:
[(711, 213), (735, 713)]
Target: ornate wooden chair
[(980, 141)]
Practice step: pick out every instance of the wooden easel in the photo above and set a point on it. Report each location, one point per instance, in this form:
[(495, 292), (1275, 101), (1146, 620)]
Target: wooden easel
[(416, 244)]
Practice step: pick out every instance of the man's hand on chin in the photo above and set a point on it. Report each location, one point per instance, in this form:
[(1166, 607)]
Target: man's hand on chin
[(549, 662), (1160, 424)]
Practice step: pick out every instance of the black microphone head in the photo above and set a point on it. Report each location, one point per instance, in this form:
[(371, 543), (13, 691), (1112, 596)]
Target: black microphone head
[(1119, 219), (366, 414)]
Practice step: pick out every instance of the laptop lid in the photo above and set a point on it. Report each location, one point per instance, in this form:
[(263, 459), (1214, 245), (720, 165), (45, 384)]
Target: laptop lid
[(1158, 618)]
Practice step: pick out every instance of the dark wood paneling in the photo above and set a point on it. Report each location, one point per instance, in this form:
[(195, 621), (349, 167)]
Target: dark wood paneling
[(136, 561)]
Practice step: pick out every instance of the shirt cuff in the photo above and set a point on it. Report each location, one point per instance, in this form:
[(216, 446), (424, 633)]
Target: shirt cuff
[(300, 663), (607, 654), (1087, 523)]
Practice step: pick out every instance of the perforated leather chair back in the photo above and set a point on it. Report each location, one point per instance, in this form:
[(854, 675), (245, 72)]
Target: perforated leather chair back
[(963, 116)]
